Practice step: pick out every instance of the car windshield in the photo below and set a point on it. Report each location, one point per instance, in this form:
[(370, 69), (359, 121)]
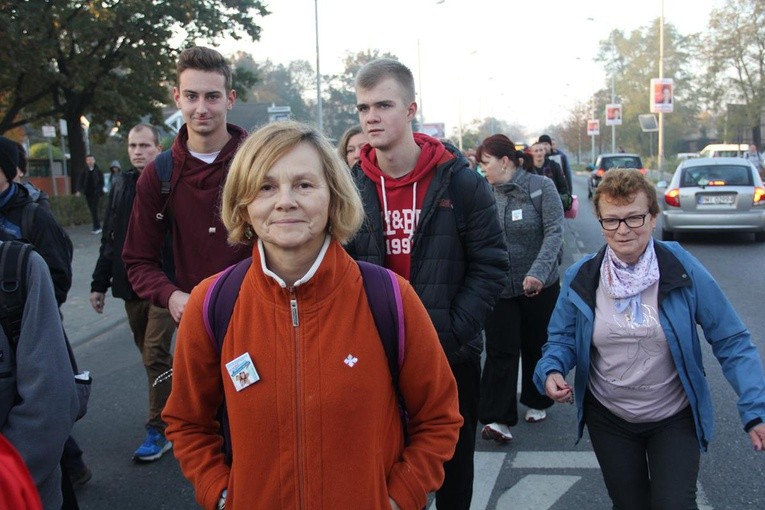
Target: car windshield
[(621, 162), (717, 175)]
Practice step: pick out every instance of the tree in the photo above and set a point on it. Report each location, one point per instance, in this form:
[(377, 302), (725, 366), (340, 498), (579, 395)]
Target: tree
[(735, 52), (339, 98), (110, 59), (478, 130), (633, 59), (283, 85)]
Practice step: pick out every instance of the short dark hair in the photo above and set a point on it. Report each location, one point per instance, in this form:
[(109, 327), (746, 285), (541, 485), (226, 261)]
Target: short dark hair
[(204, 59), (377, 70), (154, 131)]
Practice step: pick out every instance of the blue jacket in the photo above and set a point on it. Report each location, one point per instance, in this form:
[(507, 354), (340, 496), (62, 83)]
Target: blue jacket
[(688, 295)]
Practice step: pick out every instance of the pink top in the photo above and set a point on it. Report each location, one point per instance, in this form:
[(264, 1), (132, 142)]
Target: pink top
[(632, 372)]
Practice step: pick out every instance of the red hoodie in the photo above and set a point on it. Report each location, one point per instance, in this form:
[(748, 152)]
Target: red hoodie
[(401, 199)]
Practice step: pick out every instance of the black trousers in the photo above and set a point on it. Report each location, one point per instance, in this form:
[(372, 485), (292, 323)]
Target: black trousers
[(645, 466), (515, 330), (92, 201), (457, 489)]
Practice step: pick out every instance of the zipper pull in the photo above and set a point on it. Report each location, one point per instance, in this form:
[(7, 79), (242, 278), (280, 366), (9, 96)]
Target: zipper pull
[(294, 310)]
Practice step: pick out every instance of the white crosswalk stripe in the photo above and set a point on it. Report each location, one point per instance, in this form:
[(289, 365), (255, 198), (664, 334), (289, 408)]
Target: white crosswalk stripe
[(535, 491)]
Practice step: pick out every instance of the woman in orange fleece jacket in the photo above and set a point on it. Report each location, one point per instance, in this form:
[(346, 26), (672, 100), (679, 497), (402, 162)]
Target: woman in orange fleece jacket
[(316, 423)]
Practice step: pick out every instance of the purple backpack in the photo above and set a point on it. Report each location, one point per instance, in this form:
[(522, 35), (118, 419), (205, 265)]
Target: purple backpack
[(383, 295)]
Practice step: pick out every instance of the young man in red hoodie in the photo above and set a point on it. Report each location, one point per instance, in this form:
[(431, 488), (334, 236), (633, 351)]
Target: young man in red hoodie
[(433, 220), (175, 240), (201, 155)]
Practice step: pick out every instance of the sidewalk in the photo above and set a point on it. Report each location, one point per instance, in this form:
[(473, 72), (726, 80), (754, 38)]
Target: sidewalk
[(81, 322)]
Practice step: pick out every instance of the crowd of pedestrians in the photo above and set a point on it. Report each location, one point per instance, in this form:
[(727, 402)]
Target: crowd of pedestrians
[(277, 232)]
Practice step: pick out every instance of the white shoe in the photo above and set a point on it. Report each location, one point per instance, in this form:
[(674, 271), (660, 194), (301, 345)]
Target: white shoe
[(497, 431), (535, 415)]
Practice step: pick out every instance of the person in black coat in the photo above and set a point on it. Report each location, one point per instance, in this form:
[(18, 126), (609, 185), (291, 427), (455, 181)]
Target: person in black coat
[(91, 184)]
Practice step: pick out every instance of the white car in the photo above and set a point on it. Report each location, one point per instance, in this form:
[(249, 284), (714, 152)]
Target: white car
[(714, 195)]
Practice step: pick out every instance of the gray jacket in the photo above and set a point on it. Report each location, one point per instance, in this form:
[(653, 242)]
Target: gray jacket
[(533, 237), (38, 400)]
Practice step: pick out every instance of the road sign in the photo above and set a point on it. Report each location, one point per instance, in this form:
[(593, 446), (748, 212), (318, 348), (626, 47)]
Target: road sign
[(613, 114), (593, 127), (49, 131)]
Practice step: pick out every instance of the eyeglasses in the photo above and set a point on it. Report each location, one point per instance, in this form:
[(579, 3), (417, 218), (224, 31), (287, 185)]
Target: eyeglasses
[(636, 221)]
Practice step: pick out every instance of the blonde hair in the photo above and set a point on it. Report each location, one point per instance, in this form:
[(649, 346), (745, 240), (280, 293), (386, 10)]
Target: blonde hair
[(255, 157)]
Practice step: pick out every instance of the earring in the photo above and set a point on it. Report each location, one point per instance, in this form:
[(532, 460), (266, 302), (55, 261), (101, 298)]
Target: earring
[(248, 233)]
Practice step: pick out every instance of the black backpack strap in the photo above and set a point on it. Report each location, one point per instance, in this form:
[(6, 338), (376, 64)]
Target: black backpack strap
[(217, 308), (385, 304), (28, 219), (14, 257), (163, 166)]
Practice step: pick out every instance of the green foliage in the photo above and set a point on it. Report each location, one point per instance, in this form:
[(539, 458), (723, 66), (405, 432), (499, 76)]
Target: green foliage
[(734, 53), (111, 59), (283, 85), (70, 210), (40, 150)]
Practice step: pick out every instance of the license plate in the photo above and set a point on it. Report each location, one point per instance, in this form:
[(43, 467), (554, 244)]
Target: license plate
[(716, 199)]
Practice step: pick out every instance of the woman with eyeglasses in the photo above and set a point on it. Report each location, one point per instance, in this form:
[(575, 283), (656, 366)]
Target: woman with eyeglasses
[(626, 320)]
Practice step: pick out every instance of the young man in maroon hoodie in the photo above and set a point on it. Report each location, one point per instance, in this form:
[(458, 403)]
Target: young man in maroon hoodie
[(433, 220), (201, 155)]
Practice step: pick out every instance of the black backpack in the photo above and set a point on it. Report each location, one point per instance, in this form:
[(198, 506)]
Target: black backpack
[(14, 261)]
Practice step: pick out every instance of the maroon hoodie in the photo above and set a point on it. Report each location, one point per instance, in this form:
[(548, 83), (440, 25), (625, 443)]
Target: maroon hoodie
[(200, 248), (401, 199)]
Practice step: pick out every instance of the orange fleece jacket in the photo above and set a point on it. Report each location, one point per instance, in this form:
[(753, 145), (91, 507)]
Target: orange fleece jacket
[(314, 431)]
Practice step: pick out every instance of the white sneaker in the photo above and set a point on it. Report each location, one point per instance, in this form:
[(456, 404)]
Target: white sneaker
[(497, 431), (535, 415)]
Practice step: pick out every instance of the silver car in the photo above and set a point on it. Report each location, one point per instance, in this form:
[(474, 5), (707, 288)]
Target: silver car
[(714, 195)]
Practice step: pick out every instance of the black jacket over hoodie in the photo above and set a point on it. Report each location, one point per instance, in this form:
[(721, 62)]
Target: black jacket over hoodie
[(47, 237), (458, 272)]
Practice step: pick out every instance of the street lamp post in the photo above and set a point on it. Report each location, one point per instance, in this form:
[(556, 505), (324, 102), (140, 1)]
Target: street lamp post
[(661, 75), (319, 118)]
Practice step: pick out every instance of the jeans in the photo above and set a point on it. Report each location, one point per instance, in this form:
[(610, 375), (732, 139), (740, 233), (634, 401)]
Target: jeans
[(645, 466), (153, 328), (515, 330)]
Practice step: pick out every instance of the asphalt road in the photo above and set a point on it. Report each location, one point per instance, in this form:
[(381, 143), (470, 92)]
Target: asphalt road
[(540, 469)]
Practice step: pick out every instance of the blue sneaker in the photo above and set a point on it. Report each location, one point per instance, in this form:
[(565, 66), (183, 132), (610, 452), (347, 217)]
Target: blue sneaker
[(153, 446)]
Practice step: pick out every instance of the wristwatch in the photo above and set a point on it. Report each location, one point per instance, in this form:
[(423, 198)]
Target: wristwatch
[(222, 500)]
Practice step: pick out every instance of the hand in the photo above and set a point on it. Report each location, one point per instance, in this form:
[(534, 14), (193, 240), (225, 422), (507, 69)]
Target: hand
[(97, 301), (558, 389), (393, 504), (757, 434), (532, 286), (177, 304)]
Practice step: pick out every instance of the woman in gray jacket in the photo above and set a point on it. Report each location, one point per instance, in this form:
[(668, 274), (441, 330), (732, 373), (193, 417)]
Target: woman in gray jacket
[(531, 214)]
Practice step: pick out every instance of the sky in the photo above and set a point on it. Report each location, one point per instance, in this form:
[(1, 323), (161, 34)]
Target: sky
[(472, 58)]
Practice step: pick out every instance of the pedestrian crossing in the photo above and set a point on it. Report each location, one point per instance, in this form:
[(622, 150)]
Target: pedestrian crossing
[(539, 490)]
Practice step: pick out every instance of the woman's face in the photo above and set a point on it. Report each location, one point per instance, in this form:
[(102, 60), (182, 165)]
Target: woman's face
[(353, 149), (627, 243), (495, 170), (291, 209)]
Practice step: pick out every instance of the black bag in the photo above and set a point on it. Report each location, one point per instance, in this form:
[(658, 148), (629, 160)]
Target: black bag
[(14, 258)]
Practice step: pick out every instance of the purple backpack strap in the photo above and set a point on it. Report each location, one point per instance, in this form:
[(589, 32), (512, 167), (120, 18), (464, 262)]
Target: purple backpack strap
[(217, 308), (384, 297), (220, 299)]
